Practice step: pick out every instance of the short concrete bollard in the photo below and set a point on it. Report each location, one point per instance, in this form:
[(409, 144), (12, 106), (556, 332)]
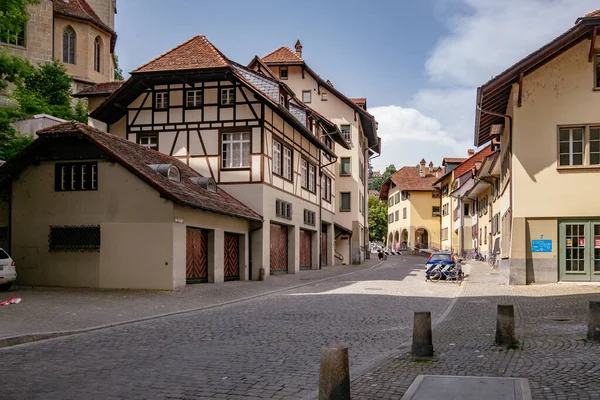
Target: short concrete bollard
[(505, 326), (334, 379), (261, 274), (594, 322), (422, 340)]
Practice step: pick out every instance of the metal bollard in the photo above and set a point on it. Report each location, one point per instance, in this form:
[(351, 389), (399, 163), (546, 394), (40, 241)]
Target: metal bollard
[(505, 326), (422, 339), (334, 378), (594, 322)]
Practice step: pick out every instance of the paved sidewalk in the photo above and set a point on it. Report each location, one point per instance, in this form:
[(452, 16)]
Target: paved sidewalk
[(551, 324), (59, 310)]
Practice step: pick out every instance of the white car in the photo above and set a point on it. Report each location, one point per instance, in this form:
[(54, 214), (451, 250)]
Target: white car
[(8, 273)]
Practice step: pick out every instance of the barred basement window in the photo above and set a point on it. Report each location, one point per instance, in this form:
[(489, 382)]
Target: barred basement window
[(283, 209), (75, 176), (74, 238), (309, 217)]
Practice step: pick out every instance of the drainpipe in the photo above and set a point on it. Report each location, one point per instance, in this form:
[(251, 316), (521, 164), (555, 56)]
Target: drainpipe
[(320, 228), (250, 249)]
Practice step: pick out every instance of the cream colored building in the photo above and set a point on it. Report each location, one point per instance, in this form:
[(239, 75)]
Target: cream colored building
[(448, 238), (80, 33), (542, 111), (413, 207), (250, 134), (89, 209), (360, 131)]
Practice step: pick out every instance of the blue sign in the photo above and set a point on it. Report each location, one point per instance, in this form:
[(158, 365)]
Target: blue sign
[(541, 246)]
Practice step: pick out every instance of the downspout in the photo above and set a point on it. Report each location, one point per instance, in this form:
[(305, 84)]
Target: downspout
[(366, 206), (320, 228), (250, 250)]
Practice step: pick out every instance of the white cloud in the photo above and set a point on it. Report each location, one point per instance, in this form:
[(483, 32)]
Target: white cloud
[(485, 37)]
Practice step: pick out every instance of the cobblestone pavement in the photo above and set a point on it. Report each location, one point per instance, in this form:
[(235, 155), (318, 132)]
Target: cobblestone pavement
[(44, 310), (267, 347), (551, 324)]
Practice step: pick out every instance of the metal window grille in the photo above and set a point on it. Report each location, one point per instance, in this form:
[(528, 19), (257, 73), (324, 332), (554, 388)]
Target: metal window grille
[(74, 238)]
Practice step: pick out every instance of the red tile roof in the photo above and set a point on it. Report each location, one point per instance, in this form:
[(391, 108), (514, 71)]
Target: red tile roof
[(593, 14), (136, 159), (283, 55), (79, 9), (196, 53), (453, 160), (467, 165), (99, 89), (408, 178), (361, 101)]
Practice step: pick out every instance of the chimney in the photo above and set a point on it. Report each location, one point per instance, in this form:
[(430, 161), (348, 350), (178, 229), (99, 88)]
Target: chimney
[(431, 167), (298, 47), (422, 171), (470, 152)]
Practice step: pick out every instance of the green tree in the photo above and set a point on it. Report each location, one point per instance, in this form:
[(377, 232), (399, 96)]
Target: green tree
[(377, 218), (13, 16), (118, 70), (376, 184)]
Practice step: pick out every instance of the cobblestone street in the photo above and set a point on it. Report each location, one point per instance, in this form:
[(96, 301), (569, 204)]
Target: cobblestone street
[(266, 347)]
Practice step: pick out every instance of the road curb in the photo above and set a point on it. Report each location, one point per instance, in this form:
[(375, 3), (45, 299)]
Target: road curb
[(38, 337)]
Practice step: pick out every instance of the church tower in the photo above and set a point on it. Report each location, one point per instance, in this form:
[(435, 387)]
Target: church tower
[(106, 10)]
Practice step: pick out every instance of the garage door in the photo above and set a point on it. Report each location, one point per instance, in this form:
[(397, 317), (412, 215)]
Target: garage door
[(232, 257), (305, 250), (196, 257), (279, 249)]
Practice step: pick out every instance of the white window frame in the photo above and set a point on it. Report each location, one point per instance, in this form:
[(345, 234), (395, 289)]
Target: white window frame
[(312, 178), (227, 96), (277, 157), (196, 96), (287, 163), (571, 141), (304, 173), (145, 141), (306, 99), (323, 96), (346, 135), (161, 100), (229, 140), (281, 75)]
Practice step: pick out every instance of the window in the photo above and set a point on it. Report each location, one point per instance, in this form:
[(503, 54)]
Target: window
[(173, 174), (361, 205), (309, 217), (571, 143), (445, 209), (594, 146), (391, 201), (361, 171), (277, 157), (345, 201), (97, 54), (312, 178), (397, 215), (346, 133), (282, 100), (194, 98), (323, 96), (404, 213), (597, 71), (148, 141), (466, 210), (69, 41), (236, 150), (75, 176), (445, 234), (74, 238), (390, 218), (485, 235), (404, 195), (445, 190), (162, 100), (304, 173), (227, 96), (18, 38), (326, 188), (306, 96), (345, 166), (287, 163), (283, 209), (397, 197), (283, 73), (435, 211)]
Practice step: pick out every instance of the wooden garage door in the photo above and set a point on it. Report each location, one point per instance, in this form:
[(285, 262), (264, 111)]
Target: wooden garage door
[(279, 249), (232, 257), (305, 250), (196, 255), (323, 248)]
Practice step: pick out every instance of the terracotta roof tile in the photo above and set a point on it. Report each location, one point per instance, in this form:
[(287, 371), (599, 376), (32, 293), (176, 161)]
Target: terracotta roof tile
[(136, 158), (196, 53), (467, 165), (283, 55), (593, 14), (407, 178), (453, 160), (79, 9), (361, 101), (103, 88)]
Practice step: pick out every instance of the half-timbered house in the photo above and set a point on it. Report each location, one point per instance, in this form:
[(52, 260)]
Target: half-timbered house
[(250, 134)]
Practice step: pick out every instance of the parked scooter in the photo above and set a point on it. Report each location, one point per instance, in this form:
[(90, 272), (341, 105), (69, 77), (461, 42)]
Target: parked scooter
[(381, 254)]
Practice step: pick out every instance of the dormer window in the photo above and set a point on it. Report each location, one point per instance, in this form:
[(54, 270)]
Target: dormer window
[(167, 170), (283, 73), (205, 182), (282, 99), (173, 174)]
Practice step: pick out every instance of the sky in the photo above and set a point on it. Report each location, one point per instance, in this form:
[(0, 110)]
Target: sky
[(418, 62)]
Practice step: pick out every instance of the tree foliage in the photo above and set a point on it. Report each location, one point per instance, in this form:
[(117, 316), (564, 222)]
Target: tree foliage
[(118, 70), (377, 217), (14, 15), (376, 184)]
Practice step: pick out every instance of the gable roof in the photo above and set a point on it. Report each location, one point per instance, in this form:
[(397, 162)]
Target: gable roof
[(80, 9), (137, 159), (283, 56), (469, 163), (360, 101), (195, 53), (408, 179), (493, 96), (452, 160), (99, 89)]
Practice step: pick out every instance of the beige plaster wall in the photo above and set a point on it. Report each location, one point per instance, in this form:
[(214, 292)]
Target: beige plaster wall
[(421, 215)]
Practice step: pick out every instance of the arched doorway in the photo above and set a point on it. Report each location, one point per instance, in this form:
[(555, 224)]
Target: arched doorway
[(422, 238), (390, 241), (396, 241), (404, 239)]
